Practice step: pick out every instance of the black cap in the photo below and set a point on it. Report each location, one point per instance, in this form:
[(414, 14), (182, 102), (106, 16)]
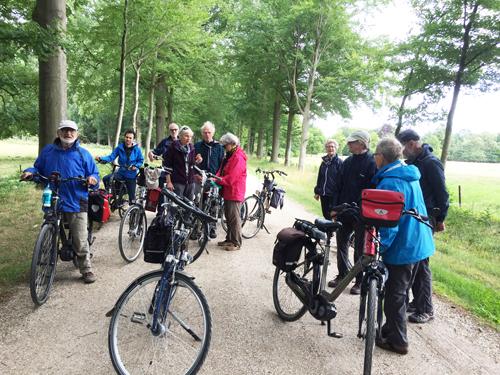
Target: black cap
[(408, 135)]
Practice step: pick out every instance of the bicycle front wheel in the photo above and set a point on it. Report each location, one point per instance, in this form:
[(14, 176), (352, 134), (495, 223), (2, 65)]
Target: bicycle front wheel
[(181, 349), (132, 232), (254, 218), (43, 264), (371, 318)]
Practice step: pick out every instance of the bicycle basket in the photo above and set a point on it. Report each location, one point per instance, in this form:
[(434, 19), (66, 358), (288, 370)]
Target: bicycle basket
[(277, 198), (99, 210), (381, 208), (152, 198), (157, 242), (286, 252)]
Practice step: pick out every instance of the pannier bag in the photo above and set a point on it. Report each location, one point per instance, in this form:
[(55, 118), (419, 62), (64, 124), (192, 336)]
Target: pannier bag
[(157, 242), (277, 198), (152, 198), (99, 210), (286, 253), (141, 177), (382, 208)]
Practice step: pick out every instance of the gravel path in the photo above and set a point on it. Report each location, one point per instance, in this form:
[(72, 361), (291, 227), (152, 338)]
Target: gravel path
[(68, 335)]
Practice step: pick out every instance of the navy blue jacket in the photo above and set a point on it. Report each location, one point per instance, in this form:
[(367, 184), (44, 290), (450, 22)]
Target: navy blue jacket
[(432, 181), (73, 162), (212, 154), (179, 163), (355, 175), (162, 147), (327, 176)]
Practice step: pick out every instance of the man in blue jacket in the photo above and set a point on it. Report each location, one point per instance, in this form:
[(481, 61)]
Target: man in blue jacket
[(402, 247), (130, 159), (433, 187), (66, 157), (355, 175)]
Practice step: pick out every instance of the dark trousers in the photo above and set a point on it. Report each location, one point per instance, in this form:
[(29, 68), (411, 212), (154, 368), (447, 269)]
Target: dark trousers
[(396, 289), (343, 236), (232, 211), (129, 182), (326, 204), (422, 287)]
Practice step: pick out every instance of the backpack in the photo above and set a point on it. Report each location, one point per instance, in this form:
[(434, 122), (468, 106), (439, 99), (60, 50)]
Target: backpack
[(287, 248), (99, 210), (277, 198), (157, 241)]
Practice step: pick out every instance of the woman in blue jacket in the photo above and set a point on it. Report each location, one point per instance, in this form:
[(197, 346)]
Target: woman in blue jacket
[(401, 246), (130, 159)]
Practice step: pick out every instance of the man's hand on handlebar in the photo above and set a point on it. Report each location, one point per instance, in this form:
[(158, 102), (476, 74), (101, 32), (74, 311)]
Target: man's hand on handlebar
[(26, 176), (91, 180), (170, 186)]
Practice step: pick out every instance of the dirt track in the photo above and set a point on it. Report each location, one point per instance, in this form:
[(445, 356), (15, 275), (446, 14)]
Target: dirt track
[(68, 335)]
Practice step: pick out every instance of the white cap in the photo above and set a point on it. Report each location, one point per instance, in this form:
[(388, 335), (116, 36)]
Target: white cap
[(67, 124)]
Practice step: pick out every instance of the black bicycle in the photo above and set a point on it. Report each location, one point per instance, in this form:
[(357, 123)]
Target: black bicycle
[(54, 240), (161, 323), (260, 203), (300, 278), (117, 190)]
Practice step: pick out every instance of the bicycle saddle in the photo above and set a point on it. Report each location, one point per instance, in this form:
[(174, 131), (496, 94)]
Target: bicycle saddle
[(327, 225)]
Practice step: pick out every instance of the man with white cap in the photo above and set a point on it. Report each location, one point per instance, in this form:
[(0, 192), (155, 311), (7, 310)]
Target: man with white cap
[(66, 157), (355, 175)]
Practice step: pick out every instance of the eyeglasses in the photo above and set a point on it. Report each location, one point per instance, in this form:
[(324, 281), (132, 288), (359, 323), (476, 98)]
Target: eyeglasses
[(71, 130), (174, 130)]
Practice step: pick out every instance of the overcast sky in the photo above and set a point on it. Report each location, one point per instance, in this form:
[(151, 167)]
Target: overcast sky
[(477, 112)]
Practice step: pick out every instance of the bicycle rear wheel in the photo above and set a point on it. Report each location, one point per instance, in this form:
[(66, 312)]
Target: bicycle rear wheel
[(132, 232), (198, 238), (181, 349), (371, 318), (254, 217), (43, 264)]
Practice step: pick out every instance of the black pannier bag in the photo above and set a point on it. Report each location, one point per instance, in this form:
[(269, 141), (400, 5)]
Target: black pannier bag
[(277, 198), (157, 242), (286, 253)]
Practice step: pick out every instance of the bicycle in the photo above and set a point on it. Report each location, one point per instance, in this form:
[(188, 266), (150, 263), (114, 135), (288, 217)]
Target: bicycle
[(164, 311), (260, 203), (301, 287), (117, 190), (54, 241)]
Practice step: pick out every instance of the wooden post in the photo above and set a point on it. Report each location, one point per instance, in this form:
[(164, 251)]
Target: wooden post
[(459, 196)]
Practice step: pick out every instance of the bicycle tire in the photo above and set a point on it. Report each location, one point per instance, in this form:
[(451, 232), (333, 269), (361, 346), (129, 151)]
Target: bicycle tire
[(43, 264), (122, 202), (371, 318), (197, 239), (132, 233), (159, 354), (254, 218)]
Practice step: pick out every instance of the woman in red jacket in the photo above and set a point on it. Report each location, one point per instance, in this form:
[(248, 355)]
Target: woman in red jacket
[(233, 173)]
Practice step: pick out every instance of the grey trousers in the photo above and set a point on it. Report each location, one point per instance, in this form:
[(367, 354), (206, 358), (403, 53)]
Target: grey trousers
[(232, 212), (78, 222)]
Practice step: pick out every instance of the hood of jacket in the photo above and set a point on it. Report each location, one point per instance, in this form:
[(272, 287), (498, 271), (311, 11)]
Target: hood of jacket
[(397, 169)]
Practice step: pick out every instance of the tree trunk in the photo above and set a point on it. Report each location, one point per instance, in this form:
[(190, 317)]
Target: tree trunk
[(170, 105), (161, 90), (400, 115), (98, 134), (137, 69), (52, 96), (151, 103), (260, 142), (138, 128), (121, 103), (276, 128), (289, 129)]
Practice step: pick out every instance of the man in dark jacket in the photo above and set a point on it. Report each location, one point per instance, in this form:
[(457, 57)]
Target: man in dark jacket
[(162, 148), (329, 169), (355, 175), (433, 187)]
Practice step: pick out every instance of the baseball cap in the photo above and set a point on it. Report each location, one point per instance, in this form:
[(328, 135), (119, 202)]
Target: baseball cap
[(408, 135), (67, 124), (359, 135)]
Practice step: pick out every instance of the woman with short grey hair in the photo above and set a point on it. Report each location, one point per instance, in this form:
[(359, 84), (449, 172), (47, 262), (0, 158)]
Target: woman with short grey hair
[(326, 189), (185, 130), (229, 138)]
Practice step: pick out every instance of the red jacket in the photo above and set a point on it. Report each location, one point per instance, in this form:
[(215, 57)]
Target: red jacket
[(234, 176)]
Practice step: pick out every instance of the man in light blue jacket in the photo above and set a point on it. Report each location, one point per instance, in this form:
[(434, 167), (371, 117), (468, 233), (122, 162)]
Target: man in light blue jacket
[(403, 246), (130, 159)]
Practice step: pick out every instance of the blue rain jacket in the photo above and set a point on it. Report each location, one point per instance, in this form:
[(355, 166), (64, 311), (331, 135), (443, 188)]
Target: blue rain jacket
[(135, 158), (410, 241), (73, 162)]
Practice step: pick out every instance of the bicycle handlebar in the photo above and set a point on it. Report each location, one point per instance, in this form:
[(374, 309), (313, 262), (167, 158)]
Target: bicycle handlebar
[(310, 229), (206, 173), (129, 167), (272, 172), (55, 177), (186, 204)]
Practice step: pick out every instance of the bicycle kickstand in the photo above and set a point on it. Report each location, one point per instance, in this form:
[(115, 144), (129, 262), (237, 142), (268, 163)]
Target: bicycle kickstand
[(329, 331), (267, 230)]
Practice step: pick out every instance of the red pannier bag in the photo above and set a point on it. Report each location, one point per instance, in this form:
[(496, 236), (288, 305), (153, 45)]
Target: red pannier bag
[(152, 198), (382, 208), (99, 210)]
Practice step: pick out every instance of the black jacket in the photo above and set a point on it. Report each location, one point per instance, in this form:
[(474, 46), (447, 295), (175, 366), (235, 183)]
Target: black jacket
[(212, 154), (432, 181), (327, 175), (355, 175)]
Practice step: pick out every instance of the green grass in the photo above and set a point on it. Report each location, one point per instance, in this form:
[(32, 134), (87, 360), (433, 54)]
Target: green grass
[(466, 266), (478, 194)]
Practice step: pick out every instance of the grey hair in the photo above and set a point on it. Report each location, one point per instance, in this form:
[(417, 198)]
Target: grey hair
[(185, 129), (208, 124), (229, 138), (390, 148), (335, 143)]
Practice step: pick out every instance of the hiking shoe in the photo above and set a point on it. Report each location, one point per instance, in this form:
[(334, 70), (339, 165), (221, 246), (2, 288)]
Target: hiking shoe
[(231, 247), (386, 345), (223, 243), (89, 277), (356, 289), (411, 308), (213, 233), (420, 318), (333, 283)]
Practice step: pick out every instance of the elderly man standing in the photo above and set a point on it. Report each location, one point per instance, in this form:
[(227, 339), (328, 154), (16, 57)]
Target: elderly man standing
[(355, 175), (433, 187)]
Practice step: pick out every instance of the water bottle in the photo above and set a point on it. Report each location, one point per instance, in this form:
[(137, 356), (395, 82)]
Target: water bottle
[(46, 196)]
